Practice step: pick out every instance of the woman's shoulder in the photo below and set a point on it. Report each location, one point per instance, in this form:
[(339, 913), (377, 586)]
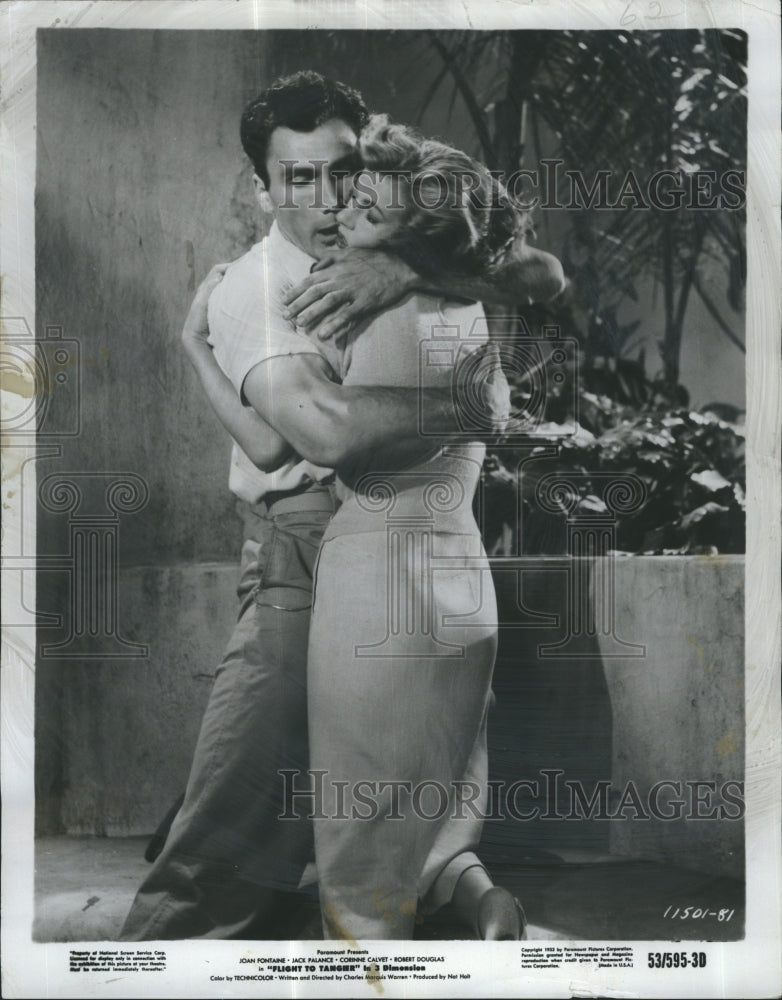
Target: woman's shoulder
[(426, 302), (461, 307), (467, 318)]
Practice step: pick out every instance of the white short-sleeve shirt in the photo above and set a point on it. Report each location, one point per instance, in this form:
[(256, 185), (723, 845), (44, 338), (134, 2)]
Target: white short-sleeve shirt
[(246, 327)]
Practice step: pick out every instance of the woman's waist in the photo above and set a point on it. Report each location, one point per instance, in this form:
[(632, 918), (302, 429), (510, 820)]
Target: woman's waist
[(376, 550), (413, 500)]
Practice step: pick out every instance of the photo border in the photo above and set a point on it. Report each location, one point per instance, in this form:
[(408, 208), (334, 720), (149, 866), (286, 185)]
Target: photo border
[(751, 967)]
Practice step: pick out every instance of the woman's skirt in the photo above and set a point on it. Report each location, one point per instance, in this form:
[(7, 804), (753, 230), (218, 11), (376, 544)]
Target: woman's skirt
[(402, 646)]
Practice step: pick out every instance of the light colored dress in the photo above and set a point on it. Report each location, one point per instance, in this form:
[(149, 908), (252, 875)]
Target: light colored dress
[(402, 647)]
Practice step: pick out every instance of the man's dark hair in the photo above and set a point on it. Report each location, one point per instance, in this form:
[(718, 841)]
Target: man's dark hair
[(301, 102)]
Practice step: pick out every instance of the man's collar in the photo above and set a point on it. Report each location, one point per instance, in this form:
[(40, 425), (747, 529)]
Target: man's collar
[(287, 253)]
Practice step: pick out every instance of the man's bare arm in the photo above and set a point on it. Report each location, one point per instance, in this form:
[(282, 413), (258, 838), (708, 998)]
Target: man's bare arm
[(347, 287), (331, 424), (265, 448), (524, 274)]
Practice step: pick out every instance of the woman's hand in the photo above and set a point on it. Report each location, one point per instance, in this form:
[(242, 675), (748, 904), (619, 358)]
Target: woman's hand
[(196, 328), (347, 287)]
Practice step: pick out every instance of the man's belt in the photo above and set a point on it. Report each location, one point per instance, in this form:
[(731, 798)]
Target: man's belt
[(315, 497)]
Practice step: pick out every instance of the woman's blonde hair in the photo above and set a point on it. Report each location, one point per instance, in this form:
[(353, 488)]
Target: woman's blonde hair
[(458, 217)]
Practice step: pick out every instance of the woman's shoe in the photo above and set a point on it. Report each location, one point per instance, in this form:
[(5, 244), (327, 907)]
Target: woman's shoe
[(500, 916)]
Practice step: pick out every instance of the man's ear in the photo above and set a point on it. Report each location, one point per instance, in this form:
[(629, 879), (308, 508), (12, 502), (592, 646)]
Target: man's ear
[(262, 195)]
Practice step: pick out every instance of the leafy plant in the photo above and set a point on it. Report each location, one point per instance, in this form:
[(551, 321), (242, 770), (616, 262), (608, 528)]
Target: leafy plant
[(625, 103), (690, 462)]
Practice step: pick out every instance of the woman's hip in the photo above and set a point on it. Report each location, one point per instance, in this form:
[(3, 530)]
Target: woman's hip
[(399, 632), (407, 583)]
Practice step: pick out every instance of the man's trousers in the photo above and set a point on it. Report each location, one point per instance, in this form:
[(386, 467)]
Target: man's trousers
[(227, 851)]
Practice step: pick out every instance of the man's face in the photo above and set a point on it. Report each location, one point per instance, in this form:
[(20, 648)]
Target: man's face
[(307, 178)]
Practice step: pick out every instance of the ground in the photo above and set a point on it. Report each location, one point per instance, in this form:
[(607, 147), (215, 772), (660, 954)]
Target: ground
[(84, 887)]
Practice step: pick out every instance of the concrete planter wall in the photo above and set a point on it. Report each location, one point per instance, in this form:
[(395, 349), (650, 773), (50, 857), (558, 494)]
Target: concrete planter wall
[(673, 711), (114, 738), (679, 713)]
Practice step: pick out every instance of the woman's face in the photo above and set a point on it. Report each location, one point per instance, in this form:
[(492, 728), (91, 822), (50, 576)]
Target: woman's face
[(376, 211)]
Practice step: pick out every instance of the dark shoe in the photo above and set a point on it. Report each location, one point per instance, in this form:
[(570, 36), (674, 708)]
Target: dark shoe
[(500, 916)]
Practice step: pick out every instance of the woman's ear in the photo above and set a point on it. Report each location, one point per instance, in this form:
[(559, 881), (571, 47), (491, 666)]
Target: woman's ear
[(262, 195)]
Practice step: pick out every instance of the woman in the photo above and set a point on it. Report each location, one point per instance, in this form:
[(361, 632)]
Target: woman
[(399, 692)]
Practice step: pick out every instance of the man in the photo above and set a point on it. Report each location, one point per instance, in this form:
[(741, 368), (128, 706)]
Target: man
[(227, 856)]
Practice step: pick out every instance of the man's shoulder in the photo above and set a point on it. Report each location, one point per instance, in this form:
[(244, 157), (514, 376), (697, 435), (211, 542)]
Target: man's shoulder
[(248, 264), (251, 257), (246, 278)]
